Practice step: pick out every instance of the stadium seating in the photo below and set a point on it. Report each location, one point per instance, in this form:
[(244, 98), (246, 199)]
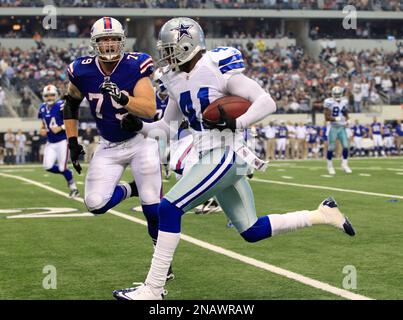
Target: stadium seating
[(387, 5)]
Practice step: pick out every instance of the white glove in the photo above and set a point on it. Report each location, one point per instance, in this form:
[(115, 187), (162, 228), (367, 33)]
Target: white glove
[(337, 119)]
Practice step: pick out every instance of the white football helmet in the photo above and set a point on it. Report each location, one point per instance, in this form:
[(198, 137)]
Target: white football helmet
[(337, 93), (50, 94), (112, 50), (180, 39)]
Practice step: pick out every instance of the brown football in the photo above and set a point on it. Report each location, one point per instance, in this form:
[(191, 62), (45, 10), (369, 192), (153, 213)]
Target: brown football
[(234, 107)]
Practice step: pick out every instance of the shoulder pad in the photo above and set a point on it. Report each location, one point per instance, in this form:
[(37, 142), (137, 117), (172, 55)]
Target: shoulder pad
[(229, 60), (60, 103), (141, 61), (328, 102), (78, 66)]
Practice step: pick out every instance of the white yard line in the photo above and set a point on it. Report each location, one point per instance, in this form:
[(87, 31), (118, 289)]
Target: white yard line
[(311, 186), (231, 254)]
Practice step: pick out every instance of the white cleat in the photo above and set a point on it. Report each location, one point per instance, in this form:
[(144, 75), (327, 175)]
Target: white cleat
[(331, 170), (346, 169), (332, 215), (141, 292)]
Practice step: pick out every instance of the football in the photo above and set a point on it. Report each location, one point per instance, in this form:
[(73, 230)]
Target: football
[(234, 106)]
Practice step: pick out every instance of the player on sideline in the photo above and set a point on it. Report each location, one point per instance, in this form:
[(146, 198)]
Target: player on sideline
[(336, 112), (115, 83), (376, 132), (198, 78), (56, 150), (358, 132)]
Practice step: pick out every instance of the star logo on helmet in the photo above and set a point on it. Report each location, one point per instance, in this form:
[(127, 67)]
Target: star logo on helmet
[(183, 31)]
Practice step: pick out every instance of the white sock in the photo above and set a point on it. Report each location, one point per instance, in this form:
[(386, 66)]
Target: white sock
[(281, 223), (73, 186), (329, 163), (128, 189), (344, 162), (162, 258)]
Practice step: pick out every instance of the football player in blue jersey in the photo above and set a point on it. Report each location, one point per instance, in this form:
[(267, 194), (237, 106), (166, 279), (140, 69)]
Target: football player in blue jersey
[(376, 132), (197, 77), (312, 141), (115, 83), (56, 150), (358, 133), (281, 140)]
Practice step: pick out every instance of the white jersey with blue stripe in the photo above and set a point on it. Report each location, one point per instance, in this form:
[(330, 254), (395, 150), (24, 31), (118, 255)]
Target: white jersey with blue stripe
[(337, 109), (196, 90)]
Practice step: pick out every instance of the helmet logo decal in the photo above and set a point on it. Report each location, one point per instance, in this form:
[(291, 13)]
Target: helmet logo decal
[(183, 31)]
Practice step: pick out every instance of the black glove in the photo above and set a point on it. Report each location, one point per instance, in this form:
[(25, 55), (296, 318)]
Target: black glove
[(113, 90), (184, 125), (75, 151), (224, 122), (131, 123)]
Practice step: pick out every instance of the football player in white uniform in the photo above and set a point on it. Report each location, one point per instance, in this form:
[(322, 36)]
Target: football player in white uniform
[(336, 112), (196, 79)]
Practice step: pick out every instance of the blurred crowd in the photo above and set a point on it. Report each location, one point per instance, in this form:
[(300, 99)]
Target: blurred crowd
[(389, 5), (280, 140), (38, 67), (298, 82)]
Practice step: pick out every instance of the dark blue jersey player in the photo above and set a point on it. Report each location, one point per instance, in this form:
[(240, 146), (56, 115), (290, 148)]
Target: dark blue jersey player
[(115, 83), (51, 114)]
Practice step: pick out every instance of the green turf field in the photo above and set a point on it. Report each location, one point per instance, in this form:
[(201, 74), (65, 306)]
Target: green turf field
[(94, 255)]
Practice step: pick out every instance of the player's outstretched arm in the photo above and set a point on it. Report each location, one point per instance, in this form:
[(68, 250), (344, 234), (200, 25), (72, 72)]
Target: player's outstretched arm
[(143, 102), (262, 102), (170, 121)]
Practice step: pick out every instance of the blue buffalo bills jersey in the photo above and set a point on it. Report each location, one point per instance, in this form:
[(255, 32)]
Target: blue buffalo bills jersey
[(86, 74), (399, 130), (376, 127), (323, 133), (387, 131), (358, 130), (53, 117), (312, 134), (282, 132)]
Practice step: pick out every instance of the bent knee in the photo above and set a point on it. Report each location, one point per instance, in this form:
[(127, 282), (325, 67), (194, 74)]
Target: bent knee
[(169, 217), (259, 231), (95, 203)]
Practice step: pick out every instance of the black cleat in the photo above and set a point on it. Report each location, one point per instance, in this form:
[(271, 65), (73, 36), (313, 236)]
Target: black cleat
[(74, 193)]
